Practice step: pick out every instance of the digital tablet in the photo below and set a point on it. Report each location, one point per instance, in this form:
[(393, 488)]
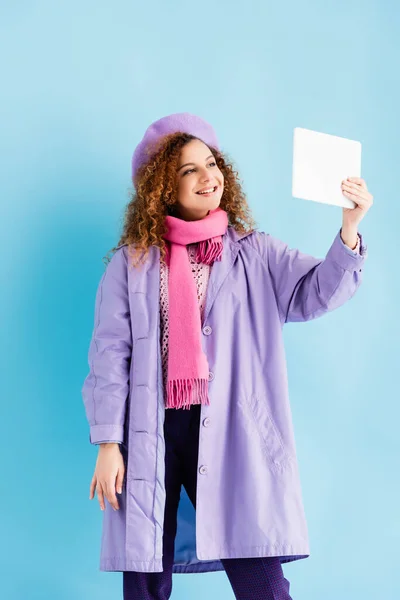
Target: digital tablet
[(320, 163)]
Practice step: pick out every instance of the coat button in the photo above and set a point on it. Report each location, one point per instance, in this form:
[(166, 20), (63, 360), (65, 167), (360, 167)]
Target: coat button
[(203, 469), (210, 376), (207, 330), (206, 421)]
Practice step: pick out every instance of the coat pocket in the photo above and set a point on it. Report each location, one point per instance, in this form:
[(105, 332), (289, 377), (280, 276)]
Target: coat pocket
[(270, 437)]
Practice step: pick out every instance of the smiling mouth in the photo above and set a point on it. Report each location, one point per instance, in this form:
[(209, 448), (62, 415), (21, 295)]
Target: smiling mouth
[(214, 189)]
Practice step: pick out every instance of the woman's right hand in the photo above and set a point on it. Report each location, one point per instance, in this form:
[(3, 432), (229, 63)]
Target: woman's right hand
[(108, 474)]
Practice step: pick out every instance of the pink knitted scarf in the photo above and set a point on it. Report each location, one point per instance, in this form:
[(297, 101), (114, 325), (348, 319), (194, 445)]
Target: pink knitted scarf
[(187, 381)]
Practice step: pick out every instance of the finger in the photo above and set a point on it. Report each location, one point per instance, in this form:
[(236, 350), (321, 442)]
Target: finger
[(120, 480), (100, 496), (360, 195), (92, 487), (110, 494), (358, 180), (356, 190), (351, 186), (357, 199)]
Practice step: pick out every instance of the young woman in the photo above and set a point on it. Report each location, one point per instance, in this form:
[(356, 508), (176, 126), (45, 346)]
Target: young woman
[(187, 392)]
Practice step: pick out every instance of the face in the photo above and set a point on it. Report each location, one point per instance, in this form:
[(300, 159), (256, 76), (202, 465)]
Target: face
[(197, 170)]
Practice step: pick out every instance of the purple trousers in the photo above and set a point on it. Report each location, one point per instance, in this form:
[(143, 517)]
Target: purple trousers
[(258, 578)]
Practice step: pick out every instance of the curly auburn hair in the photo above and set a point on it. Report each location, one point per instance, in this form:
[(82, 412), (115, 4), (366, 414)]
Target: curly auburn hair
[(156, 194)]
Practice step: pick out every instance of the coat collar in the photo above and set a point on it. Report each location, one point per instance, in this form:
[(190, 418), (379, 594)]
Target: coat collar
[(219, 271)]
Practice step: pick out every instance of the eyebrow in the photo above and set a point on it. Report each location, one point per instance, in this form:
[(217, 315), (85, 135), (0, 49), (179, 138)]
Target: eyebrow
[(186, 164)]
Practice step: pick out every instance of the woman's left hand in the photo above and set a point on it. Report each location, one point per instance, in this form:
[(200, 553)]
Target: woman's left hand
[(356, 189)]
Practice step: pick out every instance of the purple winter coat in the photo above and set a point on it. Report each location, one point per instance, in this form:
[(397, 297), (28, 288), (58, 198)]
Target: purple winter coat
[(249, 500)]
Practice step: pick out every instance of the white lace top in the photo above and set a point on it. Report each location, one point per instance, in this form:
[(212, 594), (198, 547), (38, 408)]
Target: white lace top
[(201, 273)]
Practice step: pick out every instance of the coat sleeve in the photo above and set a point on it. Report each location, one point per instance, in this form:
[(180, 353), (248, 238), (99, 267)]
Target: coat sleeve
[(307, 287), (106, 387)]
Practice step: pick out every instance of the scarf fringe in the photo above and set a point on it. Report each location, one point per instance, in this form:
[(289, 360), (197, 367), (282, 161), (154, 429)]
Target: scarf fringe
[(209, 250), (179, 392)]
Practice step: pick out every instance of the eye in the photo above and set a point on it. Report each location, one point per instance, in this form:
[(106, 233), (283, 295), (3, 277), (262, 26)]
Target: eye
[(189, 170)]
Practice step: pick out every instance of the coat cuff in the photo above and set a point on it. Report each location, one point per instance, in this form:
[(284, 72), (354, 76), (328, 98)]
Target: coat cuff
[(100, 434), (357, 248), (345, 257)]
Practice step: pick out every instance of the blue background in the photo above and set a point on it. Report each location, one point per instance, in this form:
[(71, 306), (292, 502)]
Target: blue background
[(80, 84)]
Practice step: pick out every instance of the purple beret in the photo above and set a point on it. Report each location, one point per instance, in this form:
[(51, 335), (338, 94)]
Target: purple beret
[(170, 124)]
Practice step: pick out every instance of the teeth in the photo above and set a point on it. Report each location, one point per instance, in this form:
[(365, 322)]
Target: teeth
[(207, 191)]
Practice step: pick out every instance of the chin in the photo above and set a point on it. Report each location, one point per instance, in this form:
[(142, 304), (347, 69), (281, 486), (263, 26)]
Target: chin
[(216, 204)]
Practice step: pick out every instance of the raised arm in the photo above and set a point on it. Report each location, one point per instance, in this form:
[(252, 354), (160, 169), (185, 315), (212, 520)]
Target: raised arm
[(307, 287)]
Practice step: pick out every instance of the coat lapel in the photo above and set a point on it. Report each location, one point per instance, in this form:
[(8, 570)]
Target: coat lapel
[(221, 268), (219, 271)]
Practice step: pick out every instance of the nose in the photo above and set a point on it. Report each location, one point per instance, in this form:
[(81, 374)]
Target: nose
[(205, 176)]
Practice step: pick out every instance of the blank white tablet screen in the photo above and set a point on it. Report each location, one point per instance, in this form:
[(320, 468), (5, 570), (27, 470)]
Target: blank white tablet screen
[(320, 163)]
